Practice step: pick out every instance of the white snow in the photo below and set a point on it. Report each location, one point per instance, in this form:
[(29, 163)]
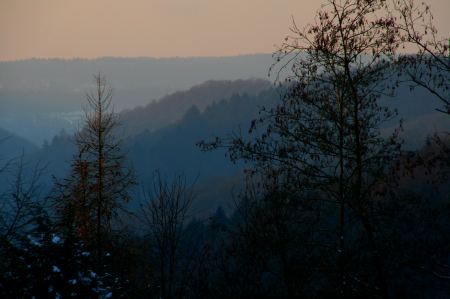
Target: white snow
[(56, 239), (93, 274), (34, 241), (73, 281)]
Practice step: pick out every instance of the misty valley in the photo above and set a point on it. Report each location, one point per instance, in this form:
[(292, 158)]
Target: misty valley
[(318, 171)]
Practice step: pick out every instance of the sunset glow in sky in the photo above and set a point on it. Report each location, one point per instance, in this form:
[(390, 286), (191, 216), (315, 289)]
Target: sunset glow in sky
[(157, 28)]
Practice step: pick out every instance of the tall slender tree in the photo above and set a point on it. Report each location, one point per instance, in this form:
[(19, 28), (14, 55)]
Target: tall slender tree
[(100, 180), (165, 214), (325, 134)]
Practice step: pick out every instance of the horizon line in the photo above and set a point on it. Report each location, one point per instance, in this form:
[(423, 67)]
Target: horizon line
[(132, 57)]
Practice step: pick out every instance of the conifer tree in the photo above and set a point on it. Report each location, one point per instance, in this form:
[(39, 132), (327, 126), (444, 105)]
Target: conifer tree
[(100, 180)]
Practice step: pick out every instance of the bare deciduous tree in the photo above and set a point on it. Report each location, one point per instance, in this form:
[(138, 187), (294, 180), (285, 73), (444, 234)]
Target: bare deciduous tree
[(165, 214), (325, 134), (21, 204), (428, 66)]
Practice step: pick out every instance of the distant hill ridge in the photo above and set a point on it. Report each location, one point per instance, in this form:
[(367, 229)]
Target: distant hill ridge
[(171, 108), (163, 135), (12, 146), (33, 91)]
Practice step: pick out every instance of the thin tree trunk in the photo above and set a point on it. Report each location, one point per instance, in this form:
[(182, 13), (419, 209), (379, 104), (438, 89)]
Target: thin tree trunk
[(100, 180), (341, 250)]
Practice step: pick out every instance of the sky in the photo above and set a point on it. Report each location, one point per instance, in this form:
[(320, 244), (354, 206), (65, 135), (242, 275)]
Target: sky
[(155, 28)]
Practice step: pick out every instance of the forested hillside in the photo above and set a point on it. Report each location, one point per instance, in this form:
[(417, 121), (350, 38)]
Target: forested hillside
[(329, 182), (163, 134), (47, 95), (12, 145)]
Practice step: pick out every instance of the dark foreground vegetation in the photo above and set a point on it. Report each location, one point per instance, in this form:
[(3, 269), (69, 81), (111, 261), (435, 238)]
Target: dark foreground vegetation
[(333, 206)]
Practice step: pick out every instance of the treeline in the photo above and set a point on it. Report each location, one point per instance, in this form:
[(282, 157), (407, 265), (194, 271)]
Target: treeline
[(332, 207)]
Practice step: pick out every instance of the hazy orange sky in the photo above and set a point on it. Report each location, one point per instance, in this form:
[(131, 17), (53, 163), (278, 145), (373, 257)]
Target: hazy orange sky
[(157, 28)]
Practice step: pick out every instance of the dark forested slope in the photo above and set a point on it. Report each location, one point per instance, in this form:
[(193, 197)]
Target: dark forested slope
[(163, 134)]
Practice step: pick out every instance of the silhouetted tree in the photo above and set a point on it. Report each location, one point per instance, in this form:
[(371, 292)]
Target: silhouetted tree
[(21, 203), (73, 206), (427, 64), (99, 184), (165, 214), (324, 137)]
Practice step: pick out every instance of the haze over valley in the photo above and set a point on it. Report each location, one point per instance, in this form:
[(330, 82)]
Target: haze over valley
[(48, 94), (168, 149)]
